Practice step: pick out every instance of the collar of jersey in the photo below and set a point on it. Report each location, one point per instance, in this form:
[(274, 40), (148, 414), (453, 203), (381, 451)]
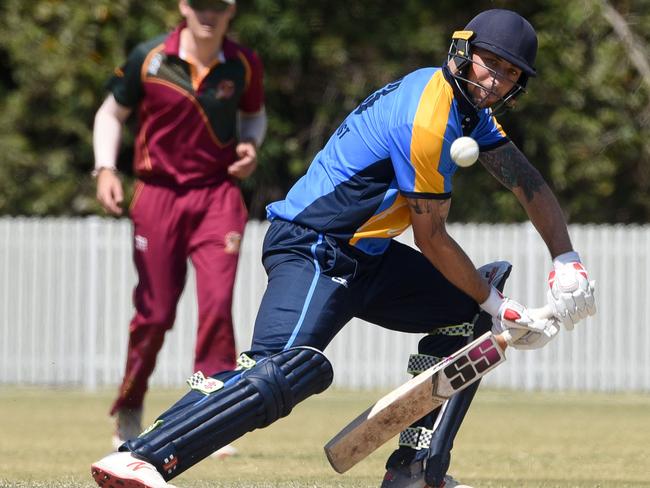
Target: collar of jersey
[(173, 43), (466, 110), (464, 106)]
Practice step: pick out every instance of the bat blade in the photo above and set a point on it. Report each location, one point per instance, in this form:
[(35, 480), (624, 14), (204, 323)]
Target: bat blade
[(411, 401)]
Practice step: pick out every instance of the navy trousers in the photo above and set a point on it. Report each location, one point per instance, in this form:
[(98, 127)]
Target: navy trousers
[(316, 284)]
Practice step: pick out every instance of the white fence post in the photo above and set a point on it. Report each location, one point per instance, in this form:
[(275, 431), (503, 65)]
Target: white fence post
[(66, 288), (92, 312)]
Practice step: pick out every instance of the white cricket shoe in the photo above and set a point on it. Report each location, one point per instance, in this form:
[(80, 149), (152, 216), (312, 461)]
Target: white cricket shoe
[(224, 452), (123, 470), (128, 425)]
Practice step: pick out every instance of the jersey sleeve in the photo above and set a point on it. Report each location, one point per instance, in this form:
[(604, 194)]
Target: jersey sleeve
[(252, 99), (420, 167), (126, 82), (420, 153), (488, 133)]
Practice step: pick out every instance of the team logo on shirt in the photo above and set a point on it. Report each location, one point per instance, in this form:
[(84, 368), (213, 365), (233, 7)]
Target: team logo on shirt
[(232, 242), (155, 64), (225, 89)]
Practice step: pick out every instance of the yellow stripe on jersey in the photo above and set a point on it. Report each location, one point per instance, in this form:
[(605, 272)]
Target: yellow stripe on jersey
[(498, 126), (389, 223), (429, 126)]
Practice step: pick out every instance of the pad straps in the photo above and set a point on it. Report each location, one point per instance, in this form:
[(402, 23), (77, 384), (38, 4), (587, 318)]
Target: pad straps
[(466, 329), (416, 438)]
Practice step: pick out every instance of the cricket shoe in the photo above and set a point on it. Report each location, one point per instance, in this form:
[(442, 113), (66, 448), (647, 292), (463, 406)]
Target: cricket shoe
[(128, 426), (123, 470), (412, 476), (405, 476)]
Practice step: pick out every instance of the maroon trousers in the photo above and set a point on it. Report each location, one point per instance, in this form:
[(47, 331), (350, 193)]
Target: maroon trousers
[(171, 225)]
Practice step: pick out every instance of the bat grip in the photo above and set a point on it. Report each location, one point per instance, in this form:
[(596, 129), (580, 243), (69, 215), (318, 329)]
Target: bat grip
[(502, 341)]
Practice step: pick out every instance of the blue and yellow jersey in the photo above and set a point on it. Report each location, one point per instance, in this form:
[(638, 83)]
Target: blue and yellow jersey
[(393, 145)]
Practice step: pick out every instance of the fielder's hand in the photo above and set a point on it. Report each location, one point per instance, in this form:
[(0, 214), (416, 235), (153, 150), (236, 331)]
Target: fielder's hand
[(521, 327), (244, 167), (109, 191), (570, 294)]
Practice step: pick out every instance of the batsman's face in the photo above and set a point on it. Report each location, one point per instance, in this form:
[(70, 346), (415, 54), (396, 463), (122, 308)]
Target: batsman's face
[(207, 19), (491, 78)]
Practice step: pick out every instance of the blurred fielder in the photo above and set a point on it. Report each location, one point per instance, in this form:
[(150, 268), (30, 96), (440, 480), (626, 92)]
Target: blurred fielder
[(189, 88), (330, 256)]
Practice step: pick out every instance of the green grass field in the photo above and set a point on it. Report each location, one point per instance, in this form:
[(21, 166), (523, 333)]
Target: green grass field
[(48, 438)]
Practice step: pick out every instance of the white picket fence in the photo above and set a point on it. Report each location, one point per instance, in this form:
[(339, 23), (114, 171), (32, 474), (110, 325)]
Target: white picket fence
[(66, 287)]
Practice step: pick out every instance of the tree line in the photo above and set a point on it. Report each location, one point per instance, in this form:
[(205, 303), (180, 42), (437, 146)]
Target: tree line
[(584, 122)]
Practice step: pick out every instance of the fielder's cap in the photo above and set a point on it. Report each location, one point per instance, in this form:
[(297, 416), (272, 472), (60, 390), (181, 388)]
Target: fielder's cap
[(506, 34), (204, 3)]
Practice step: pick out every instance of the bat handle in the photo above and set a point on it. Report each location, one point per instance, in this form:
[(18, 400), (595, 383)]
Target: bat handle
[(502, 341)]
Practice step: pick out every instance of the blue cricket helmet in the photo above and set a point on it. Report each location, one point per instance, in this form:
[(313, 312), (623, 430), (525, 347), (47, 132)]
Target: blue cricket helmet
[(504, 33)]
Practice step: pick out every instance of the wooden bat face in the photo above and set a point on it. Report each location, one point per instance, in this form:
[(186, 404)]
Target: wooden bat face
[(411, 401)]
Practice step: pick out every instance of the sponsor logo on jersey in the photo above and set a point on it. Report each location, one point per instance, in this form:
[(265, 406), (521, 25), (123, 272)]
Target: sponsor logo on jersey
[(155, 64), (394, 232), (225, 90)]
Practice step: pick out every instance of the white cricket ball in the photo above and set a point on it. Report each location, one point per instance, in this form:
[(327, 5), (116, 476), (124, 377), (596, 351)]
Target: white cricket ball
[(464, 151)]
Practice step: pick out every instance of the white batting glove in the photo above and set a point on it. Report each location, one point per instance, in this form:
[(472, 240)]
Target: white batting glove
[(522, 328), (570, 294), (531, 339)]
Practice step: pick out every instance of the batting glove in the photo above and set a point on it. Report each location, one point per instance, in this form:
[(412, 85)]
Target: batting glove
[(524, 339), (570, 294), (522, 328)]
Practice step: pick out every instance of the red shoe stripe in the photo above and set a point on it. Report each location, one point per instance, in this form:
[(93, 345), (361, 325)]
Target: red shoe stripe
[(106, 479)]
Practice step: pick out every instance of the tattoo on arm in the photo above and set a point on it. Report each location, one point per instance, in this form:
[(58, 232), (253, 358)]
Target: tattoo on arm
[(435, 214), (508, 165), (420, 206)]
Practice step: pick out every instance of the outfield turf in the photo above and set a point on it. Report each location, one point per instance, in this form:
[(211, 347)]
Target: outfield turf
[(48, 438)]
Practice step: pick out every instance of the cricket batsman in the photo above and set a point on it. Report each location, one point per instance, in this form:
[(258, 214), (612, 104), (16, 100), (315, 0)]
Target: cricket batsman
[(330, 256)]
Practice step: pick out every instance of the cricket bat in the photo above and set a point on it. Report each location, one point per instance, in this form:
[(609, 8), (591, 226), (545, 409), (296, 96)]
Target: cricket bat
[(413, 400)]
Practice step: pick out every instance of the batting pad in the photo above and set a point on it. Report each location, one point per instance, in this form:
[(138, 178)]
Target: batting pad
[(250, 400)]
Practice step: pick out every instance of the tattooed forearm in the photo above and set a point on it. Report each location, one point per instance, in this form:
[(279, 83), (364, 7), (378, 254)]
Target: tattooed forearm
[(508, 165)]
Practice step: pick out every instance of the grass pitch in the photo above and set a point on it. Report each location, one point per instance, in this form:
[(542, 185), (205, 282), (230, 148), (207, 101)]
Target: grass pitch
[(48, 438)]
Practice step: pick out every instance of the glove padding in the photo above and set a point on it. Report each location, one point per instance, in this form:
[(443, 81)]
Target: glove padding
[(523, 328), (571, 294)]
